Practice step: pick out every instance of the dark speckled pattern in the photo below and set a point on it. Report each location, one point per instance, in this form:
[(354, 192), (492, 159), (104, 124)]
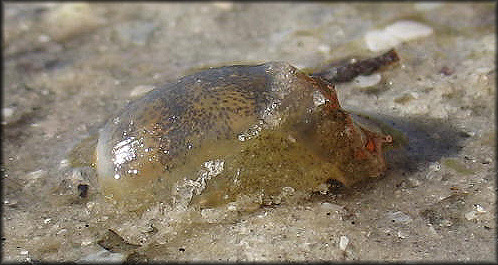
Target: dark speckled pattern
[(207, 105), (158, 132), (165, 136)]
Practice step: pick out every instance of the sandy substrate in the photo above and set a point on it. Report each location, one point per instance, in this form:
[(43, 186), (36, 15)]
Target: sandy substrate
[(68, 68)]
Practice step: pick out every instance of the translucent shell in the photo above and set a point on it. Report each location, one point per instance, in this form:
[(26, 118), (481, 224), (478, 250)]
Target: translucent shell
[(229, 132)]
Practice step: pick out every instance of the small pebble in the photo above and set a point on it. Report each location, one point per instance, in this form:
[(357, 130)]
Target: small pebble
[(343, 243)]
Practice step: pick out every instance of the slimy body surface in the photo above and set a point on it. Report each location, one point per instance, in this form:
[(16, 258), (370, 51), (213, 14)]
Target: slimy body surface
[(234, 133)]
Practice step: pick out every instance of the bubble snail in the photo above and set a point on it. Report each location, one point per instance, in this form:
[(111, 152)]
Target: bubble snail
[(246, 130)]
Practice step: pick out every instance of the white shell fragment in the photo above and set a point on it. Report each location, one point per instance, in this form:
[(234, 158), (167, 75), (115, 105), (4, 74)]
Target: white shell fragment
[(367, 80), (343, 243), (394, 34), (474, 214), (379, 40), (409, 30)]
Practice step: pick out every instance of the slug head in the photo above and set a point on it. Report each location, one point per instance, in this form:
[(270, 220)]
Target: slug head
[(355, 149)]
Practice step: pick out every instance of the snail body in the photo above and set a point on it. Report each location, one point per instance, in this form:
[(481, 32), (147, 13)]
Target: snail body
[(224, 133)]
